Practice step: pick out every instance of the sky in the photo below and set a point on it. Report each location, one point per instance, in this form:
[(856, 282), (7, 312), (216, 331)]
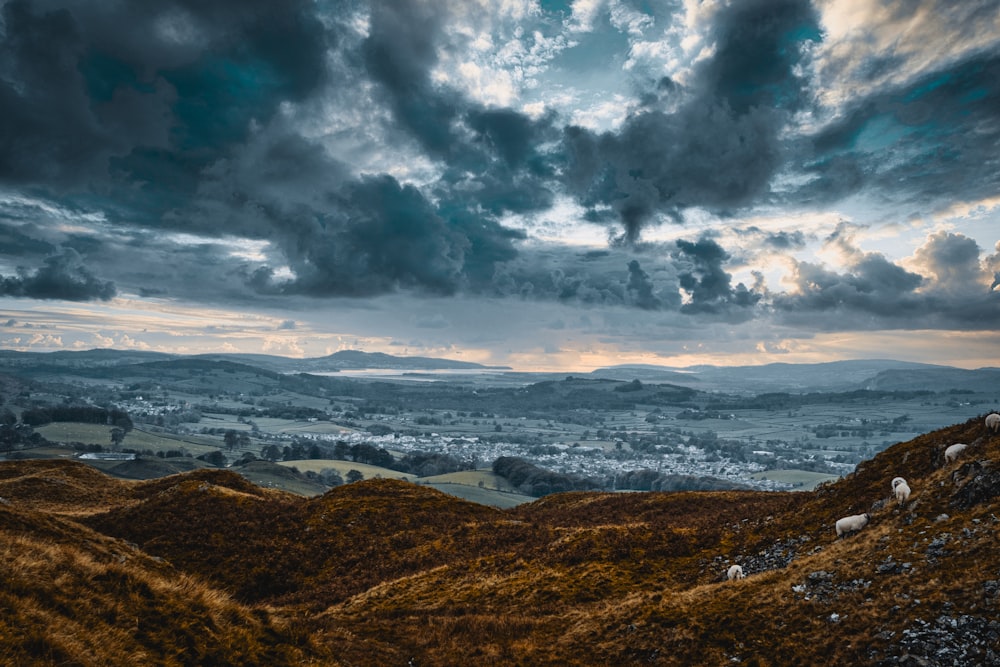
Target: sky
[(539, 184)]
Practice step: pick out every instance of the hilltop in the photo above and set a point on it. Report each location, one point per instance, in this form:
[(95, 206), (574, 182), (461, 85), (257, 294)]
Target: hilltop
[(205, 567)]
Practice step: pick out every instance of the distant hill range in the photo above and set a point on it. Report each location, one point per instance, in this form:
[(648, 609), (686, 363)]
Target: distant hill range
[(872, 374), (338, 361), (937, 379), (350, 360), (836, 376)]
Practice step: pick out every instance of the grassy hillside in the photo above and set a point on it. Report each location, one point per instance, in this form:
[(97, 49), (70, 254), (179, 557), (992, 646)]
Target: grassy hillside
[(386, 572)]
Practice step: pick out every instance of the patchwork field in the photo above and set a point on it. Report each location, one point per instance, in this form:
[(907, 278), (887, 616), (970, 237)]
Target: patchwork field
[(99, 434)]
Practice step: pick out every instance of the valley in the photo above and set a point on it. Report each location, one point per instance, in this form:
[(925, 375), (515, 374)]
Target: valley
[(612, 429)]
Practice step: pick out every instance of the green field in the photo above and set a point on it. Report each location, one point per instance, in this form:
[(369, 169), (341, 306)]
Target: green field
[(343, 467), (806, 480), (99, 434), (484, 478), (274, 476), (475, 494)]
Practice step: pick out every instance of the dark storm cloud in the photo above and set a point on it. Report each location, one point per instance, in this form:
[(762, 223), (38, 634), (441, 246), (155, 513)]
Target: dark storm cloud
[(611, 278), (24, 240), (48, 131), (757, 53), (492, 157), (641, 287), (381, 235), (174, 123), (349, 236), (184, 80), (388, 236), (702, 275), (61, 277), (933, 139), (720, 147), (659, 162), (178, 128), (399, 53)]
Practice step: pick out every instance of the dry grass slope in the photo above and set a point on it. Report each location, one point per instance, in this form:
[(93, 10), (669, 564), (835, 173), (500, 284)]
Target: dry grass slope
[(205, 567), (71, 596)]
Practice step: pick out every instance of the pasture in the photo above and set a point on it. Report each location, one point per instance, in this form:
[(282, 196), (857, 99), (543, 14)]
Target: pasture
[(343, 467), (100, 434), (480, 496), (803, 480), (483, 478)]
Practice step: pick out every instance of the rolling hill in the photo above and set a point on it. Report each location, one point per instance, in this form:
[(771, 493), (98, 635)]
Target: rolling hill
[(206, 567)]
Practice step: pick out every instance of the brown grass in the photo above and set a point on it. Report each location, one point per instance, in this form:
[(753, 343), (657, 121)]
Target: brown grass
[(74, 597)]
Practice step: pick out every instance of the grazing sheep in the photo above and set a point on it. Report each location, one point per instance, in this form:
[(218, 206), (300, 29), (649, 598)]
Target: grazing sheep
[(952, 452), (735, 572), (993, 422), (901, 490), (852, 524)]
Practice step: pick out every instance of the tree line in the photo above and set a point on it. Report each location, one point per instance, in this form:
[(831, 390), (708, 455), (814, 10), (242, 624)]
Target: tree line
[(533, 480), (87, 414)]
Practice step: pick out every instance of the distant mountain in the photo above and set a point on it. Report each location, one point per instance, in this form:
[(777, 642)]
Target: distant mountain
[(357, 360), (875, 374), (80, 359), (937, 379), (644, 373), (348, 360), (777, 377), (343, 360)]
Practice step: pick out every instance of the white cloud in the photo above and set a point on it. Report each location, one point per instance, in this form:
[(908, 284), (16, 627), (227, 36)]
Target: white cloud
[(583, 15), (871, 45), (286, 346)]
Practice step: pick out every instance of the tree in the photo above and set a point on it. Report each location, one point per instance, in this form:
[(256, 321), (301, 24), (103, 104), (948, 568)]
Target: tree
[(215, 457), (330, 477), (230, 439), (271, 453), (117, 436), (354, 476), (341, 450)]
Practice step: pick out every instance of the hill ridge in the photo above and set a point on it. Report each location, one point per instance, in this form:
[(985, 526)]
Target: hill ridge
[(385, 571)]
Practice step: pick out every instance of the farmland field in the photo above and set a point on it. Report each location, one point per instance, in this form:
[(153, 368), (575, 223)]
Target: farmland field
[(343, 467), (802, 479), (99, 434), (475, 494), (475, 478)]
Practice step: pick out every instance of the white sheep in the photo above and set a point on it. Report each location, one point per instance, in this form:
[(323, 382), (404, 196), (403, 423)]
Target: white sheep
[(735, 572), (993, 422), (853, 523), (953, 451), (901, 490)]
